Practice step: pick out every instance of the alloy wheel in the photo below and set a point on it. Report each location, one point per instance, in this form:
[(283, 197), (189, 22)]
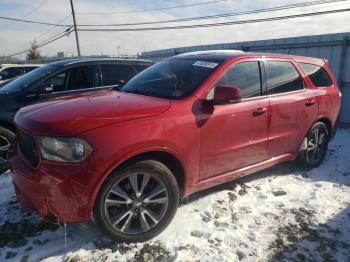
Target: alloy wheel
[(4, 148), (136, 203), (316, 146)]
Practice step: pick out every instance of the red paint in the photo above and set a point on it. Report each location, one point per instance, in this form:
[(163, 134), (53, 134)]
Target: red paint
[(214, 144)]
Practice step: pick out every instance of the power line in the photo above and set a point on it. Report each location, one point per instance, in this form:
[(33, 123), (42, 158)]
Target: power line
[(277, 8), (27, 14), (55, 38), (216, 24), (52, 28), (31, 21), (43, 34), (150, 10)]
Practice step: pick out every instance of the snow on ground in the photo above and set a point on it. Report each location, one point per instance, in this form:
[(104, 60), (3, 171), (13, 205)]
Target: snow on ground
[(281, 214)]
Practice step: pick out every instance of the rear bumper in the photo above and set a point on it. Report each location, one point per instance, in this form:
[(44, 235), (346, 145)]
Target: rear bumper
[(56, 192), (335, 128)]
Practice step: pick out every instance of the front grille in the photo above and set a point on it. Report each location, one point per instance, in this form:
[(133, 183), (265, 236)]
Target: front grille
[(28, 148)]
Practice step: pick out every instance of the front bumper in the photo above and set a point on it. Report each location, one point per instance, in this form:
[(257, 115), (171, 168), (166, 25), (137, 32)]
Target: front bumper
[(57, 192)]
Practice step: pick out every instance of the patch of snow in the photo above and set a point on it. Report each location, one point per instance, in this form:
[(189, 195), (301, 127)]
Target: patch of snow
[(280, 214)]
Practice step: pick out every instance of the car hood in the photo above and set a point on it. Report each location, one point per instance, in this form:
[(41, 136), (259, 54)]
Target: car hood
[(71, 115)]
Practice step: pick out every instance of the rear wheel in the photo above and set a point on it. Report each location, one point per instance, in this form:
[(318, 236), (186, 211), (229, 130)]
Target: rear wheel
[(137, 202), (315, 146), (6, 138)]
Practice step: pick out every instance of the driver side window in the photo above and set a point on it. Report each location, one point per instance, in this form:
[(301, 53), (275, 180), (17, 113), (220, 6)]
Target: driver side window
[(246, 76), (75, 78), (57, 82)]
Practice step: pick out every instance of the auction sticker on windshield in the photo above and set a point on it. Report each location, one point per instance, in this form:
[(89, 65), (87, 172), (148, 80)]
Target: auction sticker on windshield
[(205, 64)]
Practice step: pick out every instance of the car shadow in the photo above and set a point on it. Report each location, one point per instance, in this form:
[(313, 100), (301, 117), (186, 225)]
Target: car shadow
[(309, 241)]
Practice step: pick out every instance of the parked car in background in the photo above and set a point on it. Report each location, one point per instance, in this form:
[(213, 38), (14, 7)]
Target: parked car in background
[(59, 79), (9, 71), (185, 124), (3, 83)]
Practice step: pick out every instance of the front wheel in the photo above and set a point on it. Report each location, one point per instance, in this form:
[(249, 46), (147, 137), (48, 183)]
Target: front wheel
[(137, 202), (6, 138), (315, 146)]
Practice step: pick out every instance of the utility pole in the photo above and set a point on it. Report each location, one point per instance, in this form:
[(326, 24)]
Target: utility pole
[(75, 28), (118, 47)]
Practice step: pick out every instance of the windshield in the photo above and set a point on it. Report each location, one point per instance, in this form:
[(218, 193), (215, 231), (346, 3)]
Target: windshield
[(33, 76), (172, 79)]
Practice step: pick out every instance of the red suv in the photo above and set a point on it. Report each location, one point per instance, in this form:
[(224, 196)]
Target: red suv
[(188, 123)]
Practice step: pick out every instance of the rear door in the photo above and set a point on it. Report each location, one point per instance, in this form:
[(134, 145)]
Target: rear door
[(293, 106), (235, 136)]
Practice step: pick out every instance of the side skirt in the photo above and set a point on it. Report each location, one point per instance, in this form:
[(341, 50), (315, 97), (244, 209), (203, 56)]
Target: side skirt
[(217, 180)]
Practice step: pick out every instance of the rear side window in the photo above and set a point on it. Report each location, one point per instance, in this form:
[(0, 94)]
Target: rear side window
[(282, 77), (245, 76), (317, 74), (57, 82), (112, 74)]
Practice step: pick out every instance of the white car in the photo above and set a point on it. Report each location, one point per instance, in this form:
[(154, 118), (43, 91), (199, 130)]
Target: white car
[(8, 71)]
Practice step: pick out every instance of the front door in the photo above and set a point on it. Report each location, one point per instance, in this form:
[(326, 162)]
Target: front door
[(235, 136), (73, 80)]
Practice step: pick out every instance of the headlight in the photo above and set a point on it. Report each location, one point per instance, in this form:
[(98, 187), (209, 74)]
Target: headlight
[(64, 149)]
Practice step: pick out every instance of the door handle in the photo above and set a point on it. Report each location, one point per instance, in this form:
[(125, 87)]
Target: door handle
[(31, 96), (310, 102), (259, 111)]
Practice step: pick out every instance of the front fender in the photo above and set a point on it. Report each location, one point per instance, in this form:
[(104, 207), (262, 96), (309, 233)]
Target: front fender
[(115, 144)]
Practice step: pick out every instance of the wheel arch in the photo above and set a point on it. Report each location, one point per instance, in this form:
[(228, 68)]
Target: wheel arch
[(166, 156), (323, 119), (8, 125), (327, 122), (168, 159)]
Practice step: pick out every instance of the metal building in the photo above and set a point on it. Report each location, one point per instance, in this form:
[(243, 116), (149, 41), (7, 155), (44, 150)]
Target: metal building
[(334, 47)]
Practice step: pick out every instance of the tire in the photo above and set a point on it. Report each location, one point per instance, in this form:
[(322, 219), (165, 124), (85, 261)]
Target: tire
[(135, 218), (308, 157), (6, 136)]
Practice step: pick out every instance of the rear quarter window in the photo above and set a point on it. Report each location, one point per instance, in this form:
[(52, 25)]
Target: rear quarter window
[(317, 74)]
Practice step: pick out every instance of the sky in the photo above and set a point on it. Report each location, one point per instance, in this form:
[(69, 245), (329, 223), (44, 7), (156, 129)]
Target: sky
[(15, 37)]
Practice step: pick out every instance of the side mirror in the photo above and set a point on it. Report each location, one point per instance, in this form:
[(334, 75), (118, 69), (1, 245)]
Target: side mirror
[(119, 85), (226, 94)]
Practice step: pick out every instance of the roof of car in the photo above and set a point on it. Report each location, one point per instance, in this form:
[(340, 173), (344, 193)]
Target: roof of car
[(227, 54), (19, 65), (209, 54), (73, 61)]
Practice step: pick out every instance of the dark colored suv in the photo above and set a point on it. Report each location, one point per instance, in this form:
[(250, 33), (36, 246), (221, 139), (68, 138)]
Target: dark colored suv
[(59, 79)]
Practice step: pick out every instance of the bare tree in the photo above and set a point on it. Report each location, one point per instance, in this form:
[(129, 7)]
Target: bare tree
[(34, 52)]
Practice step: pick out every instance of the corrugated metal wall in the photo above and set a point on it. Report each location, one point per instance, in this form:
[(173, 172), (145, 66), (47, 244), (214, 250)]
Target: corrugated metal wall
[(334, 47)]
